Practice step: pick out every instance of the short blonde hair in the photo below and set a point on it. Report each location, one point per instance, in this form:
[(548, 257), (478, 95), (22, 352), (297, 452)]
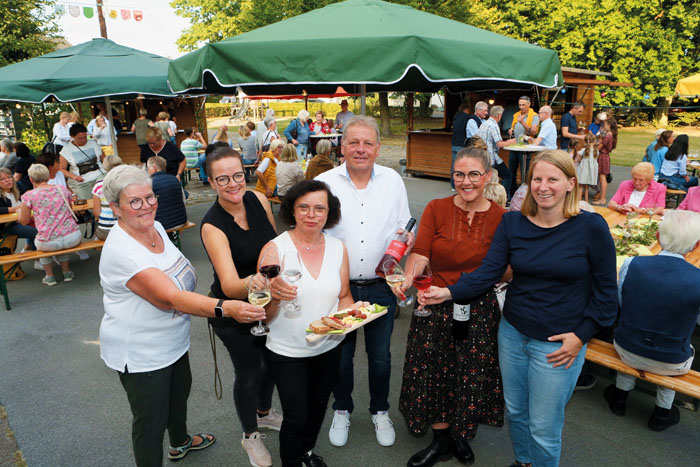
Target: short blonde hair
[(323, 147), (154, 132), (494, 191), (163, 115), (644, 169), (289, 153), (244, 131), (111, 162), (561, 160), (159, 162), (39, 173), (276, 143)]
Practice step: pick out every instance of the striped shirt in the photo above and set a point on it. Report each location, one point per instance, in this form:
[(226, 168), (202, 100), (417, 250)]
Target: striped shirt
[(189, 148), (107, 219)]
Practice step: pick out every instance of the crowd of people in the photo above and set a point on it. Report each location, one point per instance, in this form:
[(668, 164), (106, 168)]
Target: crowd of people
[(515, 296)]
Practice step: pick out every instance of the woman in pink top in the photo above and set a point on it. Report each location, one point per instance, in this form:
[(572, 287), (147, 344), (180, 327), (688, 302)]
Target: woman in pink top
[(54, 220), (641, 193), (691, 202)]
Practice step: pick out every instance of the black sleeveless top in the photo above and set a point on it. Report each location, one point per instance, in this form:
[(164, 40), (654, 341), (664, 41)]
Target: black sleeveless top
[(245, 245)]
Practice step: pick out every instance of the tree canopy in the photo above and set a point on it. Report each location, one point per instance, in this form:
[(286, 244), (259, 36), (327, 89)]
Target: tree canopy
[(26, 29), (651, 43)]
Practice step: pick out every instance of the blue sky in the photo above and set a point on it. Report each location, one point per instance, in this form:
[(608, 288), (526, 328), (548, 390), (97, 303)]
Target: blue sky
[(155, 33)]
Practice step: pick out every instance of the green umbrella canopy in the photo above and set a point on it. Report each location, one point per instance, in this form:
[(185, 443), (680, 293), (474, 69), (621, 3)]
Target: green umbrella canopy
[(95, 69), (382, 45)]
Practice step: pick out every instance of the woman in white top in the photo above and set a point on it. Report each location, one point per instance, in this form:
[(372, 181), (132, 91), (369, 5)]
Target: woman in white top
[(81, 162), (305, 372), (61, 136), (101, 132), (145, 331), (270, 134), (288, 172)]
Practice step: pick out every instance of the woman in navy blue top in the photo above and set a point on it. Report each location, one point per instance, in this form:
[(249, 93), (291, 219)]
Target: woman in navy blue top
[(563, 291)]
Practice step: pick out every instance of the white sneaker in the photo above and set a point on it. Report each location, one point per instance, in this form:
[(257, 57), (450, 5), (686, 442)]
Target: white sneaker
[(83, 255), (338, 434), (258, 455), (273, 420), (38, 266), (384, 429)]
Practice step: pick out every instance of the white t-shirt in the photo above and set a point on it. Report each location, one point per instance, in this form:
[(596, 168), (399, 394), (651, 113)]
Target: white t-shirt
[(636, 197), (317, 298), (134, 334), (58, 179), (75, 155)]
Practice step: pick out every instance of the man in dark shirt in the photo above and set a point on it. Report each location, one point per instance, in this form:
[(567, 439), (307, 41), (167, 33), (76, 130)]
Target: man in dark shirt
[(459, 134), (569, 125)]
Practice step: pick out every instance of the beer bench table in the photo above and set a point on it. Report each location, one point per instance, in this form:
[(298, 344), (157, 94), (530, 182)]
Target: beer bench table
[(604, 354), (15, 259)]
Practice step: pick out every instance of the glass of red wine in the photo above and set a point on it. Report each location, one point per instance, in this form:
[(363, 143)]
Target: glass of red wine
[(270, 262), (422, 279)]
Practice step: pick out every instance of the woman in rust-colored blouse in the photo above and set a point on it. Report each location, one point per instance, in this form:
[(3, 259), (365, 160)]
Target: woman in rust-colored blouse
[(451, 378)]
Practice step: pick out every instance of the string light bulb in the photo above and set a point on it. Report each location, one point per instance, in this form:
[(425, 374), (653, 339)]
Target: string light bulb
[(491, 101)]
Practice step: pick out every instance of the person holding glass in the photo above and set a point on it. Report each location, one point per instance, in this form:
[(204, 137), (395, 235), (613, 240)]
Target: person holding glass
[(305, 372), (233, 232), (564, 290), (145, 332), (451, 379)]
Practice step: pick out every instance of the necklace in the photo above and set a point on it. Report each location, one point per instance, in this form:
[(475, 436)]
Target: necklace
[(307, 248), (151, 242)]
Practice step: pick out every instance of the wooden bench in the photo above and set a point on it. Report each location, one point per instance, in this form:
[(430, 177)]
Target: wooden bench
[(677, 196), (174, 233), (14, 260), (274, 200), (604, 354)]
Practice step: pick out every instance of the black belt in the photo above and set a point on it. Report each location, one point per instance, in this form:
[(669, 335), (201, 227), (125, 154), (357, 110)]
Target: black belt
[(365, 283)]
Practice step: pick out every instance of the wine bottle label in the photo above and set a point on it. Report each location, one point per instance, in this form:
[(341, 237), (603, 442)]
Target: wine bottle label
[(396, 249), (461, 312)]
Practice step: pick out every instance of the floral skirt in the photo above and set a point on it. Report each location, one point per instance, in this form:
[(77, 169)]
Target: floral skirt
[(453, 381)]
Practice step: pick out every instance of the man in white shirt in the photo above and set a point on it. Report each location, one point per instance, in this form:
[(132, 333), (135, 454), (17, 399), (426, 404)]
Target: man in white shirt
[(548, 130), (374, 207), (341, 119), (474, 122)]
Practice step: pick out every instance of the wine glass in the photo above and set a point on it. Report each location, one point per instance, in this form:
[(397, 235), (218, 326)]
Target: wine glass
[(632, 217), (291, 273), (395, 277), (259, 294), (650, 211), (270, 262), (422, 279)]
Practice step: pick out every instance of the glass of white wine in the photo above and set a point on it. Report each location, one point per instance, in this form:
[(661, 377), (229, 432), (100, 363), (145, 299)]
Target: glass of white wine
[(259, 294), (395, 277), (291, 273), (632, 217)]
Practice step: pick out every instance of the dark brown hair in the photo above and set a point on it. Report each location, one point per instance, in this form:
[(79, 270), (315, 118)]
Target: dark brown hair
[(302, 188)]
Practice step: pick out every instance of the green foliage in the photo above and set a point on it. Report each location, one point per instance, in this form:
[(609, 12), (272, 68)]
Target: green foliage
[(685, 119), (26, 29)]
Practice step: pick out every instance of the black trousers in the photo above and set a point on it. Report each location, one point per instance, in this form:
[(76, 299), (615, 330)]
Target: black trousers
[(158, 400), (304, 386)]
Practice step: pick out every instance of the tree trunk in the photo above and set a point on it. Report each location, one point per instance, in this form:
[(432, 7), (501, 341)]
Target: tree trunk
[(662, 112), (384, 115)]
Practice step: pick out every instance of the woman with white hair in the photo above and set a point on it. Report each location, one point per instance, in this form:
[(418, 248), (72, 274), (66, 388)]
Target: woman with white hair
[(145, 332), (270, 134), (641, 194), (54, 220), (651, 335), (298, 132), (262, 127)]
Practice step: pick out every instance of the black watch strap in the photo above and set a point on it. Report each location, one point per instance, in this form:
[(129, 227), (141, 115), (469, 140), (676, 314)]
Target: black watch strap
[(218, 309)]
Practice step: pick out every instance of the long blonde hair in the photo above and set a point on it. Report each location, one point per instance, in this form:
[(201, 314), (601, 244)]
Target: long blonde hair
[(222, 134), (562, 161), (591, 146), (13, 190)]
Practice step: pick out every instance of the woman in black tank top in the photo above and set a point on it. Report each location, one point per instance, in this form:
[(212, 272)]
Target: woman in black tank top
[(233, 232)]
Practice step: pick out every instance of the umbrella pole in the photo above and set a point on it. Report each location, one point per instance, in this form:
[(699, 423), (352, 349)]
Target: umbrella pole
[(112, 137), (363, 99)]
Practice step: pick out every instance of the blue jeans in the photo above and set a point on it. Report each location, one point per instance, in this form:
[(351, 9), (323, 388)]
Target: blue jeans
[(200, 165), (455, 150), (301, 150), (535, 393), (377, 341), (680, 181), (513, 165), (506, 176), (22, 231)]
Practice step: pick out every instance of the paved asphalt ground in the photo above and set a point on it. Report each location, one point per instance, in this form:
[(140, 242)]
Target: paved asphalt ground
[(67, 408)]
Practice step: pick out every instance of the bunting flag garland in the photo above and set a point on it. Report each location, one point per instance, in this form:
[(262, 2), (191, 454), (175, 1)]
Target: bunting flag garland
[(74, 10), (113, 14), (138, 15), (111, 11), (59, 9), (126, 15), (88, 11)]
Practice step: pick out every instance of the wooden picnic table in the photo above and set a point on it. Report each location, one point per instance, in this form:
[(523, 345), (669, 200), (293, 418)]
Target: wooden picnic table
[(12, 217), (614, 218)]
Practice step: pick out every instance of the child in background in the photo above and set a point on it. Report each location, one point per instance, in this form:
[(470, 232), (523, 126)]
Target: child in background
[(587, 169), (574, 151), (494, 191)]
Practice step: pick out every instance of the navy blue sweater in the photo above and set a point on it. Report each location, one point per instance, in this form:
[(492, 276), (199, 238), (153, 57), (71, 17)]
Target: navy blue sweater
[(564, 277), (660, 301), (171, 206)]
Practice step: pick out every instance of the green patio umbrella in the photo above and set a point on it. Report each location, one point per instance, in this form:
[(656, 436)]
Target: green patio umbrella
[(365, 43), (95, 69)]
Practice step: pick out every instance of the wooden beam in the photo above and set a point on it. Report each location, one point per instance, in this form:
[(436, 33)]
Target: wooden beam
[(409, 96), (599, 82)]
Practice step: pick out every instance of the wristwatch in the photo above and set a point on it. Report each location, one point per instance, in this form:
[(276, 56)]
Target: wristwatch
[(218, 309)]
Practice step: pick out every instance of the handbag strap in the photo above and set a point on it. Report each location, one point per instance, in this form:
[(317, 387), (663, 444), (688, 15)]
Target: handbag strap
[(70, 209)]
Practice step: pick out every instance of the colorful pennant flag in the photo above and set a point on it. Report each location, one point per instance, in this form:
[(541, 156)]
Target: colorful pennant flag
[(74, 10), (126, 15), (88, 12), (113, 14), (59, 9), (138, 15)]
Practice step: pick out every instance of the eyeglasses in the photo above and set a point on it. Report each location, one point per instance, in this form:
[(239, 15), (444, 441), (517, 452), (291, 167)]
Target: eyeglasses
[(137, 203), (304, 209), (223, 180), (474, 176)]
